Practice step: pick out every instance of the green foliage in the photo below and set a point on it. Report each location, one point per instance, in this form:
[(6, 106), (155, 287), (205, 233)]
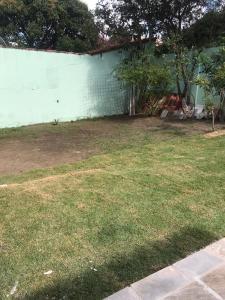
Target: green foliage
[(149, 78), (204, 83), (219, 78), (146, 18), (207, 31), (183, 63), (156, 78), (209, 105), (213, 77), (56, 24), (152, 79)]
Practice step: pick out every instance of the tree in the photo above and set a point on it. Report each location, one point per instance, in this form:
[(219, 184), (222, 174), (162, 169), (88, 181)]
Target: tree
[(139, 18), (48, 24), (148, 78), (208, 31), (183, 63), (212, 79), (168, 19), (123, 18), (185, 49)]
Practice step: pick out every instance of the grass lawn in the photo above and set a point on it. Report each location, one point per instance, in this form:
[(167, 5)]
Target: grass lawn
[(148, 199)]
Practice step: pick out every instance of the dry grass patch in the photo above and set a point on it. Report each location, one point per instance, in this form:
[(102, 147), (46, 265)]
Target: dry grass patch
[(215, 134)]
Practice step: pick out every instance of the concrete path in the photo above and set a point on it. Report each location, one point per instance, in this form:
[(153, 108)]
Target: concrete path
[(200, 276)]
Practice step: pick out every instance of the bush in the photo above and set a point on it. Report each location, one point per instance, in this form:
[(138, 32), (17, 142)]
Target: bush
[(149, 79)]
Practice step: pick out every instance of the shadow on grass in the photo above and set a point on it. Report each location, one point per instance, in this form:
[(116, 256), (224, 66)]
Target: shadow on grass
[(171, 130), (128, 268)]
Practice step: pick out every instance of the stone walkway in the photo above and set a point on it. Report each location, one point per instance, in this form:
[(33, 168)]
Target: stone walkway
[(200, 276)]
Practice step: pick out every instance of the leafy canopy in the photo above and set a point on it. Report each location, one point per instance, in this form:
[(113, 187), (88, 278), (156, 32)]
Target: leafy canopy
[(149, 75), (138, 18), (56, 24), (208, 31), (212, 78), (149, 78)]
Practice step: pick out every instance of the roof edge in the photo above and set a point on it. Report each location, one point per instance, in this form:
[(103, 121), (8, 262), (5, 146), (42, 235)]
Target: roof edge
[(92, 52), (119, 46)]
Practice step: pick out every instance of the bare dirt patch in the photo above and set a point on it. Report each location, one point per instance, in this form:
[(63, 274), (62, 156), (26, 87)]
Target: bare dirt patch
[(45, 145), (215, 134)]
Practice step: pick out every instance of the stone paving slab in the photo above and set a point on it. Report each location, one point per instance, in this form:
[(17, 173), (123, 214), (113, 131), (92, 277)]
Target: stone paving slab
[(127, 293), (192, 292), (198, 263), (200, 276), (216, 281), (160, 284), (217, 248)]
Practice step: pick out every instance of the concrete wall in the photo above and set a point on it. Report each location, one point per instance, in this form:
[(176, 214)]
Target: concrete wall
[(38, 87)]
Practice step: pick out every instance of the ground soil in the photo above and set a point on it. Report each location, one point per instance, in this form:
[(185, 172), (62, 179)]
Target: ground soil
[(41, 146)]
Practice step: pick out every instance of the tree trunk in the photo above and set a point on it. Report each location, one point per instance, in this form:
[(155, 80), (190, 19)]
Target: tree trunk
[(132, 102), (222, 106), (178, 86), (177, 75), (185, 90), (213, 120)]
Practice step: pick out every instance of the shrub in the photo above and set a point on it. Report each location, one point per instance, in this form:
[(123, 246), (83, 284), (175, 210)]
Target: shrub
[(149, 78)]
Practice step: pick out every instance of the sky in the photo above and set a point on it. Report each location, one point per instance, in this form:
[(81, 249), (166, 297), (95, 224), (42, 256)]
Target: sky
[(91, 3)]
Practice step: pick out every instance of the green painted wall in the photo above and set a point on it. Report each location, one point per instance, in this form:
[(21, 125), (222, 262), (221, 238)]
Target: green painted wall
[(38, 87)]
